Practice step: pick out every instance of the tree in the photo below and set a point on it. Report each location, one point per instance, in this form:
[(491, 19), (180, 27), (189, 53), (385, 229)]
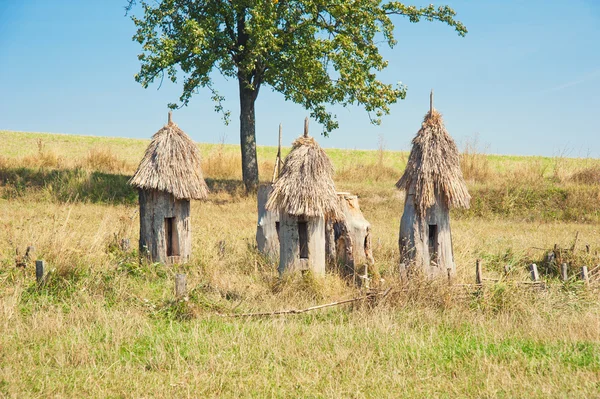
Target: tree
[(314, 52)]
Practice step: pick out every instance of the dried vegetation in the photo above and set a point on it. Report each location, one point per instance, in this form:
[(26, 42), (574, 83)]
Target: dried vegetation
[(106, 325)]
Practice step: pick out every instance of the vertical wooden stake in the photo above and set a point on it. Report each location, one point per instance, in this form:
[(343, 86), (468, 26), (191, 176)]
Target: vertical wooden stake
[(563, 272), (431, 102), (306, 127), (180, 286), (278, 161), (478, 273), (40, 265), (585, 276), (170, 117), (535, 276)]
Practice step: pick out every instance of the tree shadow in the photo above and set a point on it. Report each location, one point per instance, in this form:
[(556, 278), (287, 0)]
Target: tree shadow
[(81, 185)]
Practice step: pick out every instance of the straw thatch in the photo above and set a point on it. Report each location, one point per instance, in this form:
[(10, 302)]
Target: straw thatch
[(434, 164), (172, 164), (305, 185)]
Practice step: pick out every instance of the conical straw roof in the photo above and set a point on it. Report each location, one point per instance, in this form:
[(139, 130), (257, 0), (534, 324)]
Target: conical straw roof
[(305, 185), (434, 166), (172, 164)]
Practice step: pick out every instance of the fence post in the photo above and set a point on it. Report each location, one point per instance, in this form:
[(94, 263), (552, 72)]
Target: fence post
[(478, 274), (180, 286), (584, 275), (40, 265), (563, 272), (535, 276)]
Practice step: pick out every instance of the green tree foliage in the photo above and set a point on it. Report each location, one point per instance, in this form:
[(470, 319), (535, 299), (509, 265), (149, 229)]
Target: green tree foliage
[(314, 52)]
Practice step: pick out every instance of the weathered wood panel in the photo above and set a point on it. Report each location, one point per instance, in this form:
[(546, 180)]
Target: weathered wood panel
[(289, 247), (416, 244), (155, 208), (351, 250), (267, 237)]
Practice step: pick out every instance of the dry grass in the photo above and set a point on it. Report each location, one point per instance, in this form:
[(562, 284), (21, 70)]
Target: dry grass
[(104, 160), (44, 158), (105, 325), (220, 164), (587, 175), (474, 163)]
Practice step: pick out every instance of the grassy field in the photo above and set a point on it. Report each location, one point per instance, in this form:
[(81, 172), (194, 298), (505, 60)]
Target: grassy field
[(105, 325)]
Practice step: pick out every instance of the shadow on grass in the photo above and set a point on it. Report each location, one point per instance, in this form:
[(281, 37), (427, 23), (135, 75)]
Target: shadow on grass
[(81, 185)]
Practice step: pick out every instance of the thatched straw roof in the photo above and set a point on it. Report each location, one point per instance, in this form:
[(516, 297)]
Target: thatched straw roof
[(305, 184), (172, 164), (434, 164)]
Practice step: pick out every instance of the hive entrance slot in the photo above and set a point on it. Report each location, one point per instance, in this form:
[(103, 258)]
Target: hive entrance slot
[(171, 237), (303, 239), (433, 241)]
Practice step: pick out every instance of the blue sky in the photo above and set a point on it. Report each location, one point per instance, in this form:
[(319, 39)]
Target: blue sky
[(525, 80)]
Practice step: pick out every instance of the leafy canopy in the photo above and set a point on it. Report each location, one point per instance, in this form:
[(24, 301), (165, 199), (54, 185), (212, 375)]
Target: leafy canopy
[(314, 52)]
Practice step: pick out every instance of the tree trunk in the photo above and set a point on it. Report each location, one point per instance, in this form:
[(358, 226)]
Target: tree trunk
[(248, 136)]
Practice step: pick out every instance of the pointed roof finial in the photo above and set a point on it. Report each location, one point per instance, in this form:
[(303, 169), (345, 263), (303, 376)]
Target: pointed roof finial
[(431, 102), (170, 117), (279, 144), (306, 127)]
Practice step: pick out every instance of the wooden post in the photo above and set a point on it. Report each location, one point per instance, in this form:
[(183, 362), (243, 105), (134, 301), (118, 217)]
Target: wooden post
[(535, 276), (306, 127), (180, 286), (40, 265), (478, 274), (170, 117), (431, 102), (584, 275), (563, 272), (278, 161)]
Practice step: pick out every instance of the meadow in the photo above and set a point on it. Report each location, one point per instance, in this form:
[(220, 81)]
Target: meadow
[(105, 324)]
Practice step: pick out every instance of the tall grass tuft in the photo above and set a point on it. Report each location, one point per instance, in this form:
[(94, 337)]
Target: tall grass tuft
[(589, 176), (474, 162), (103, 159), (219, 164), (44, 158)]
